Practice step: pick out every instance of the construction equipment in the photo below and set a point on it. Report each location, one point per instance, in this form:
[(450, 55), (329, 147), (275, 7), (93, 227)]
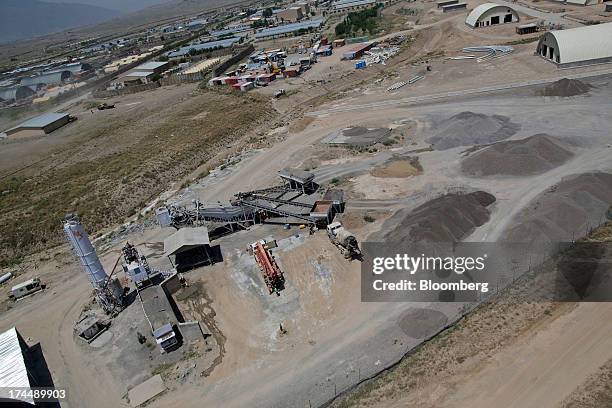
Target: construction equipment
[(136, 266), (273, 276), (278, 93), (344, 240), (105, 105)]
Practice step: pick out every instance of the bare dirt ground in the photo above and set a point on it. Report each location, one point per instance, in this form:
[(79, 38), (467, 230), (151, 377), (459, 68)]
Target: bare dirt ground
[(333, 340), (507, 353)]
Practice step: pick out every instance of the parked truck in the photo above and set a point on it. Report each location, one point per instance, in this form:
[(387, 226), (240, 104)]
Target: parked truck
[(344, 240)]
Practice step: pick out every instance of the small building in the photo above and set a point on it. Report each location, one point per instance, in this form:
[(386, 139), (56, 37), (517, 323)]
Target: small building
[(527, 28), (291, 14), (454, 7), (340, 42), (156, 67), (577, 46), (136, 78), (247, 86), (345, 6), (39, 125), (358, 50), (489, 14), (291, 72), (232, 80), (21, 368), (265, 78), (190, 248), (443, 3), (324, 51)]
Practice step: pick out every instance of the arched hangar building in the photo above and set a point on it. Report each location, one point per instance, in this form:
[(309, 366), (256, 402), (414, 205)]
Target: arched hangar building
[(586, 45), (489, 14)]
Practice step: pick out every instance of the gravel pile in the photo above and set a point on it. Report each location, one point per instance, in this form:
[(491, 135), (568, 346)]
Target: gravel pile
[(533, 155), (565, 88), (469, 128), (444, 219)]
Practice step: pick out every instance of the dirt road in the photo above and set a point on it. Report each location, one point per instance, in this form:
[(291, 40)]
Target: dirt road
[(541, 369)]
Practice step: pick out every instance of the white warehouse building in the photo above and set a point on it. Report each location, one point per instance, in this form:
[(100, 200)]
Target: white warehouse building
[(489, 14), (577, 46)]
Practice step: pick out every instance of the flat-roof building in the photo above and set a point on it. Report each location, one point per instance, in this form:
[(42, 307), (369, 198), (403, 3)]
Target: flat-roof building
[(156, 67), (292, 14), (577, 46), (39, 125), (289, 28)]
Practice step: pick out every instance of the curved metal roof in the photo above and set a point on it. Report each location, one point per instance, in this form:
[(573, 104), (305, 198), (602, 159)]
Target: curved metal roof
[(473, 17), (583, 43)]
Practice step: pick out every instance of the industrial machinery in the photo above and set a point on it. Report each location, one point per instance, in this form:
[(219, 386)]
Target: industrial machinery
[(273, 276), (344, 240), (108, 290), (136, 266)]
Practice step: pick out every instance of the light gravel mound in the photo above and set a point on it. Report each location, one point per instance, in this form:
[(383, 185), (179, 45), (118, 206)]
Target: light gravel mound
[(533, 155), (564, 212), (469, 128), (444, 219)]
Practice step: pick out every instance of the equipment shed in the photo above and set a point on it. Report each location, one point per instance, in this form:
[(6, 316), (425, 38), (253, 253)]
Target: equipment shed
[(39, 125), (489, 14), (190, 248), (577, 46)]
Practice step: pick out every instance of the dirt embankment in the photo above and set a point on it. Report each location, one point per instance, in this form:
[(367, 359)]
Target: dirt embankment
[(469, 128), (533, 155), (564, 212), (565, 88), (445, 219)]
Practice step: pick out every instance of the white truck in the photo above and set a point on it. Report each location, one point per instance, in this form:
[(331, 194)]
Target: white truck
[(344, 240)]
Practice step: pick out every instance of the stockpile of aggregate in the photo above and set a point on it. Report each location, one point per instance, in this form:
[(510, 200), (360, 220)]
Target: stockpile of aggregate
[(469, 128), (565, 211), (448, 218), (533, 155), (566, 88)]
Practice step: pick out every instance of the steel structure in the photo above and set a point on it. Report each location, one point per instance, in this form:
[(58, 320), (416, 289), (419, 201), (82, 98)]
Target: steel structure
[(273, 276), (109, 293)]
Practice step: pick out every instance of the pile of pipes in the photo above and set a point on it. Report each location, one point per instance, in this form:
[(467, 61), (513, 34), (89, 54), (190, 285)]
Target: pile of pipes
[(492, 51), (398, 85), (378, 55)]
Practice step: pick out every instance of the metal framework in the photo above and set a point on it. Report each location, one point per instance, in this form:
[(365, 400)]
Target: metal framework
[(273, 276)]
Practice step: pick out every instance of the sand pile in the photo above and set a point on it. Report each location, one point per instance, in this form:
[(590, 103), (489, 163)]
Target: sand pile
[(565, 211), (398, 168), (533, 155), (469, 128), (445, 219), (565, 88)]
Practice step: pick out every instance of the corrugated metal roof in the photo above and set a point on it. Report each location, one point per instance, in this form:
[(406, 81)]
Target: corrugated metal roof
[(354, 3), (583, 43), (184, 239), (13, 369), (151, 65), (40, 121), (473, 17), (227, 42), (289, 28)]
